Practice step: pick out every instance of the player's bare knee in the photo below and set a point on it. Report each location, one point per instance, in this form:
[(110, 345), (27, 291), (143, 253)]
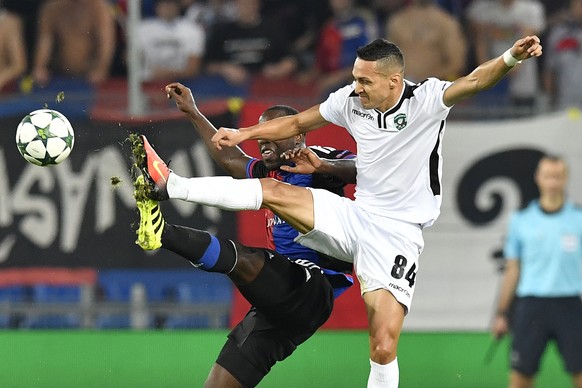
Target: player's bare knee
[(249, 263), (382, 351), (220, 377), (273, 191), (249, 256)]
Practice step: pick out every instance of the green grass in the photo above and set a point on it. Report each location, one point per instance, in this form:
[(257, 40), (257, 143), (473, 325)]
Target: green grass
[(182, 359)]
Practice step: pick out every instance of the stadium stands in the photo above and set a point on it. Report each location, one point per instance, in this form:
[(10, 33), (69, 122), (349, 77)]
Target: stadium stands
[(121, 299)]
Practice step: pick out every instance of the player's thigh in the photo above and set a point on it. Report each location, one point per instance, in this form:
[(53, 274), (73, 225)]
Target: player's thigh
[(294, 204), (388, 258), (338, 225), (311, 304)]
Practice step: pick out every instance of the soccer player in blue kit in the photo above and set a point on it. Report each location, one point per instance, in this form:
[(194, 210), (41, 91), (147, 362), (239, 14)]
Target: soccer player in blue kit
[(398, 127), (288, 285)]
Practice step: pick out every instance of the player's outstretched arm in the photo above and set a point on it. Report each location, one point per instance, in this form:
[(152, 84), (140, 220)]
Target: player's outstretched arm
[(489, 73), (307, 162), (233, 160), (276, 129)]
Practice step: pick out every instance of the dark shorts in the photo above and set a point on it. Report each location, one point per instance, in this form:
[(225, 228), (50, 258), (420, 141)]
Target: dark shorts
[(266, 336), (539, 320)]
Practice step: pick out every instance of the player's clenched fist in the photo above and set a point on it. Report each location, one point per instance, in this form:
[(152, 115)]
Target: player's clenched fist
[(228, 137), (182, 95), (526, 48)]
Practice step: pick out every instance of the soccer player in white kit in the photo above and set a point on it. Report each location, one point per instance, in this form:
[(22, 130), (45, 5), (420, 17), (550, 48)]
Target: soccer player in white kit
[(398, 128)]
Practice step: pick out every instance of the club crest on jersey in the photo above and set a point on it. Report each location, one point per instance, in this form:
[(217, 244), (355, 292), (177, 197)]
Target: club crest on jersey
[(400, 121)]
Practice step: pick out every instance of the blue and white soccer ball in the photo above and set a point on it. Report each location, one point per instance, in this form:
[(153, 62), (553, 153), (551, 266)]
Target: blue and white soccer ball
[(45, 137)]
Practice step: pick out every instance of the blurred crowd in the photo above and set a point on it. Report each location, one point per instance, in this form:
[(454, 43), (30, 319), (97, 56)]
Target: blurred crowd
[(312, 42)]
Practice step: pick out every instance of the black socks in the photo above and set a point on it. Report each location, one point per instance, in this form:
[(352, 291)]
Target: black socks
[(202, 249)]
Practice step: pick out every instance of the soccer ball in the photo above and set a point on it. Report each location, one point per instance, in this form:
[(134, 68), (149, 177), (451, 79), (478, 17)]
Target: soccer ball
[(45, 137)]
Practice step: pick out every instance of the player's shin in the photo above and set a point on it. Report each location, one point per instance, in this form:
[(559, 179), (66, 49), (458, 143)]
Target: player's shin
[(202, 249)]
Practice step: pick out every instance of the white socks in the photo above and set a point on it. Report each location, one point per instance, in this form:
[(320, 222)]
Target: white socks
[(384, 376), (223, 192)]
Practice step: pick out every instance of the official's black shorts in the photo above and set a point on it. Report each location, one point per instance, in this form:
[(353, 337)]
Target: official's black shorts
[(267, 335), (539, 320)]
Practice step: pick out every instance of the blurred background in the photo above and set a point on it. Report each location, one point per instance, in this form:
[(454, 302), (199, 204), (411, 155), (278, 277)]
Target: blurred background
[(82, 305)]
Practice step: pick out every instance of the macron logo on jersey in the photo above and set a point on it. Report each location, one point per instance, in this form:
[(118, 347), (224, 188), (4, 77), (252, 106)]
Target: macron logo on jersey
[(400, 121), (363, 115)]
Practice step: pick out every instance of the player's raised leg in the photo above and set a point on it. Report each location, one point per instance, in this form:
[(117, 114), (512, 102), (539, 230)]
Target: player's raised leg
[(202, 249), (205, 251), (219, 191), (292, 203)]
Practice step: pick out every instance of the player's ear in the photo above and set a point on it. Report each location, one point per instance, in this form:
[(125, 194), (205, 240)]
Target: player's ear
[(300, 139), (395, 80)]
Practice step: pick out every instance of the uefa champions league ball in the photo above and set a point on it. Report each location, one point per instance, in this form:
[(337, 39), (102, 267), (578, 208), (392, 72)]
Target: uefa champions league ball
[(45, 137)]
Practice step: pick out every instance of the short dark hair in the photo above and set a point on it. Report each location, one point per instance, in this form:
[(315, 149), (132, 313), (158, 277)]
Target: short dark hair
[(380, 50), (285, 109)]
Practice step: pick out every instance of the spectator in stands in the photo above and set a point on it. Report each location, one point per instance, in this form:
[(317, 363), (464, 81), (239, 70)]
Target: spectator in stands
[(554, 8), (384, 9), (12, 49), (172, 46), (28, 11), (495, 25), (308, 18), (457, 8), (210, 12), (563, 66), (76, 38), (348, 28), (248, 46), (431, 40)]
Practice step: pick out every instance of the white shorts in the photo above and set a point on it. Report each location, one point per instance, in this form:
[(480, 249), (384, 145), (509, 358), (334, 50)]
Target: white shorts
[(384, 251)]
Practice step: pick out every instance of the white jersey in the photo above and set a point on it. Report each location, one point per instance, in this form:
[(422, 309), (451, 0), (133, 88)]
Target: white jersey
[(169, 45), (399, 163)]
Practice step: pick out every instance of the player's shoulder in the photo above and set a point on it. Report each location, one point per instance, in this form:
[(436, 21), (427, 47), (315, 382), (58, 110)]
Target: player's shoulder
[(345, 93), (429, 92), (338, 101), (427, 84)]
